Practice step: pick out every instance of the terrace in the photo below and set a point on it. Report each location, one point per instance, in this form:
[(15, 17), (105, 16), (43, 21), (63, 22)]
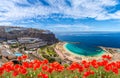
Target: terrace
[(28, 40)]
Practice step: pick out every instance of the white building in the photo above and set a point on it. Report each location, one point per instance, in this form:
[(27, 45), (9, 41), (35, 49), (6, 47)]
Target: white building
[(35, 45), (28, 40), (12, 41), (31, 43), (46, 32)]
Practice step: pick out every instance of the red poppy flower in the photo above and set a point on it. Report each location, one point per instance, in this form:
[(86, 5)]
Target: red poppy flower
[(104, 62), (19, 58), (31, 65), (86, 65), (23, 71), (45, 61), (24, 57), (50, 70), (60, 68), (74, 66), (93, 62), (44, 68), (25, 64), (115, 70), (36, 61), (103, 56), (84, 62), (86, 74), (41, 75), (118, 64), (9, 68), (106, 57), (15, 73), (36, 66), (16, 67), (1, 70), (80, 69), (100, 64), (108, 68)]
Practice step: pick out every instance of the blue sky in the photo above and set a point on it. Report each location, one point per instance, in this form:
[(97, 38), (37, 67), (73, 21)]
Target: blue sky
[(62, 15)]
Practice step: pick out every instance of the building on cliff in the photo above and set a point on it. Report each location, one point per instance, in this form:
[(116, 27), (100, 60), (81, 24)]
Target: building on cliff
[(13, 33), (30, 43), (28, 40)]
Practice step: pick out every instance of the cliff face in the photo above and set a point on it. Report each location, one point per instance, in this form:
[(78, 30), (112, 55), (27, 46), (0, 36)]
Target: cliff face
[(9, 33)]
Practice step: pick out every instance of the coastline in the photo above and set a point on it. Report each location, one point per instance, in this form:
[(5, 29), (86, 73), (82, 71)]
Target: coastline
[(82, 55), (66, 54)]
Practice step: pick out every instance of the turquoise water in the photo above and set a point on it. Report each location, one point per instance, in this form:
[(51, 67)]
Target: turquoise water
[(83, 49), (87, 42), (18, 54)]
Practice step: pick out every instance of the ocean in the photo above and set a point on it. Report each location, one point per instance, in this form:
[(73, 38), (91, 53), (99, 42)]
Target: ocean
[(87, 42)]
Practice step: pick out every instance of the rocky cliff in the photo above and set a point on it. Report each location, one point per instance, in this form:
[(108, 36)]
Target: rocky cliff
[(9, 33)]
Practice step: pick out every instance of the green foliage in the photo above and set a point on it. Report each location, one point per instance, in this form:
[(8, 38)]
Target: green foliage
[(49, 53), (14, 45), (66, 65)]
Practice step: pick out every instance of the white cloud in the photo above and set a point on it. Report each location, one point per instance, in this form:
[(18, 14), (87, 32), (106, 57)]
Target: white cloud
[(67, 28), (5, 23), (106, 16), (79, 9)]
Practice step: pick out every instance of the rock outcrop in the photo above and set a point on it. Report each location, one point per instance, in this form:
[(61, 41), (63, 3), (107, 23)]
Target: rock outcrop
[(9, 33)]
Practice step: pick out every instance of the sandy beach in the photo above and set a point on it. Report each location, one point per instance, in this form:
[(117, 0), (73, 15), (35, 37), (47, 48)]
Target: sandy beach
[(66, 54)]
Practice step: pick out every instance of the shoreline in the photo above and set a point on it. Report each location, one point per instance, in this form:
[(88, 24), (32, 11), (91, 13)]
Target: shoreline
[(60, 47), (82, 55)]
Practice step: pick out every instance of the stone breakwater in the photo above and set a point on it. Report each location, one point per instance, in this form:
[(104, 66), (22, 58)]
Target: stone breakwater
[(65, 54)]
